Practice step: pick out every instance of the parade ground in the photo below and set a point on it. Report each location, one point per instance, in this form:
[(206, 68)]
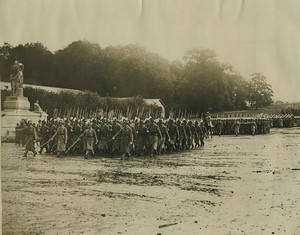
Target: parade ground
[(235, 185)]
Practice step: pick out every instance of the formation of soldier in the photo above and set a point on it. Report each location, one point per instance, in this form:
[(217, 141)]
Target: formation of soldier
[(116, 137), (243, 126), (124, 137)]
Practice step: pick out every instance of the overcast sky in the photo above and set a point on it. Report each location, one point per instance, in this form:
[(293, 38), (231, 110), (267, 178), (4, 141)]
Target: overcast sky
[(252, 35)]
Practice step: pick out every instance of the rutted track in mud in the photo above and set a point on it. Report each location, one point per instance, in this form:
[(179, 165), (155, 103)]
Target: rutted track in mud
[(232, 186)]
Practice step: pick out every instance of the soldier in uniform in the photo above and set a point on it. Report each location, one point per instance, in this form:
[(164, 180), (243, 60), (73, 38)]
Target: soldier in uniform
[(199, 132), (154, 134), (31, 136), (194, 135), (203, 133), (174, 135), (61, 135), (115, 129), (253, 127), (104, 136), (209, 125), (219, 127), (186, 142), (91, 139), (126, 139), (181, 144), (52, 131), (236, 127), (142, 135), (44, 137), (164, 137)]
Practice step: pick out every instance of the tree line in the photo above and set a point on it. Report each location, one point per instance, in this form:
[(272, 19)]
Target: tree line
[(198, 82)]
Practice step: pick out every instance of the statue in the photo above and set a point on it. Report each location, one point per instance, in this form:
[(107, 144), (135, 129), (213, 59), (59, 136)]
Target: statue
[(16, 79), (37, 107)]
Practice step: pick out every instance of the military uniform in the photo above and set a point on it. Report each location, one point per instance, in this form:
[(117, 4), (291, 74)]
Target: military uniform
[(164, 137), (31, 136), (44, 137), (61, 139), (174, 135), (126, 139), (154, 134), (142, 136), (91, 139)]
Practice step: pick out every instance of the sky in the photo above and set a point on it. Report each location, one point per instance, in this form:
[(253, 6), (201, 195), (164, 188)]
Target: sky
[(252, 35)]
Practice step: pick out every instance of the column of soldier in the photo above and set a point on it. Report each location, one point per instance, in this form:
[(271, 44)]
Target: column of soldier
[(112, 137), (126, 137)]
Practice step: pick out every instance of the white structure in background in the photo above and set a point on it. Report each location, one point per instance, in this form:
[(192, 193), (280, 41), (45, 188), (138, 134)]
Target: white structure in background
[(158, 103)]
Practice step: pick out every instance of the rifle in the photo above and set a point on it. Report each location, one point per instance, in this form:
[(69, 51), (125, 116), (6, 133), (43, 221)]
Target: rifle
[(72, 145), (47, 142)]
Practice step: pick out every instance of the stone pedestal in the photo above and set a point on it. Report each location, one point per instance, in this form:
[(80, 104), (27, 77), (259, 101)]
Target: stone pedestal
[(17, 108), (16, 103)]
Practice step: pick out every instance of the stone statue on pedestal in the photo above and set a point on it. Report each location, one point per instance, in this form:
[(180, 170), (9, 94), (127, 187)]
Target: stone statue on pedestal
[(16, 79), (16, 106)]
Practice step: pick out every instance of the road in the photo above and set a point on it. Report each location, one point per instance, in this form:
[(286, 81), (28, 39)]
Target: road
[(235, 185)]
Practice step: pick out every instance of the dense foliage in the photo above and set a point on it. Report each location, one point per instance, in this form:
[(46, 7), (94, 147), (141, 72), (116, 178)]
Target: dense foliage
[(198, 83), (88, 103)]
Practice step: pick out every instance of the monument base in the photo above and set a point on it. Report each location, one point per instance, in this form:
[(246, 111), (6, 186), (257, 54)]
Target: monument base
[(16, 103), (10, 118)]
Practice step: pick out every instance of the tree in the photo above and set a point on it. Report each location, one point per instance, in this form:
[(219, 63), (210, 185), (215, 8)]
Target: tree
[(260, 92), (202, 85), (5, 53)]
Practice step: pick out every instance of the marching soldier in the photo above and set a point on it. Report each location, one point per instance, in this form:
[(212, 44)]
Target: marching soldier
[(203, 133), (194, 135), (253, 127), (115, 129), (52, 131), (104, 136), (164, 136), (44, 137), (187, 139), (174, 135), (61, 135), (126, 139), (219, 126), (142, 135), (91, 139), (154, 134), (31, 137), (181, 144), (199, 133), (236, 127)]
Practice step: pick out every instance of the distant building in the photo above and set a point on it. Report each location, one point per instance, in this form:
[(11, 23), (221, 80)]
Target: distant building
[(158, 103)]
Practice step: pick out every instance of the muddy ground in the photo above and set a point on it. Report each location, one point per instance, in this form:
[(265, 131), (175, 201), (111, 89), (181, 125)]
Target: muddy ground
[(235, 185)]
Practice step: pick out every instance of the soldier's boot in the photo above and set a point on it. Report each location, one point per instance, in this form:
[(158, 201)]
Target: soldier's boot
[(25, 154), (86, 154), (34, 153), (123, 155)]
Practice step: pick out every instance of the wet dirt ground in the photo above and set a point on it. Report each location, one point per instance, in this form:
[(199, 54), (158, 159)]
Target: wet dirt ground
[(235, 185)]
